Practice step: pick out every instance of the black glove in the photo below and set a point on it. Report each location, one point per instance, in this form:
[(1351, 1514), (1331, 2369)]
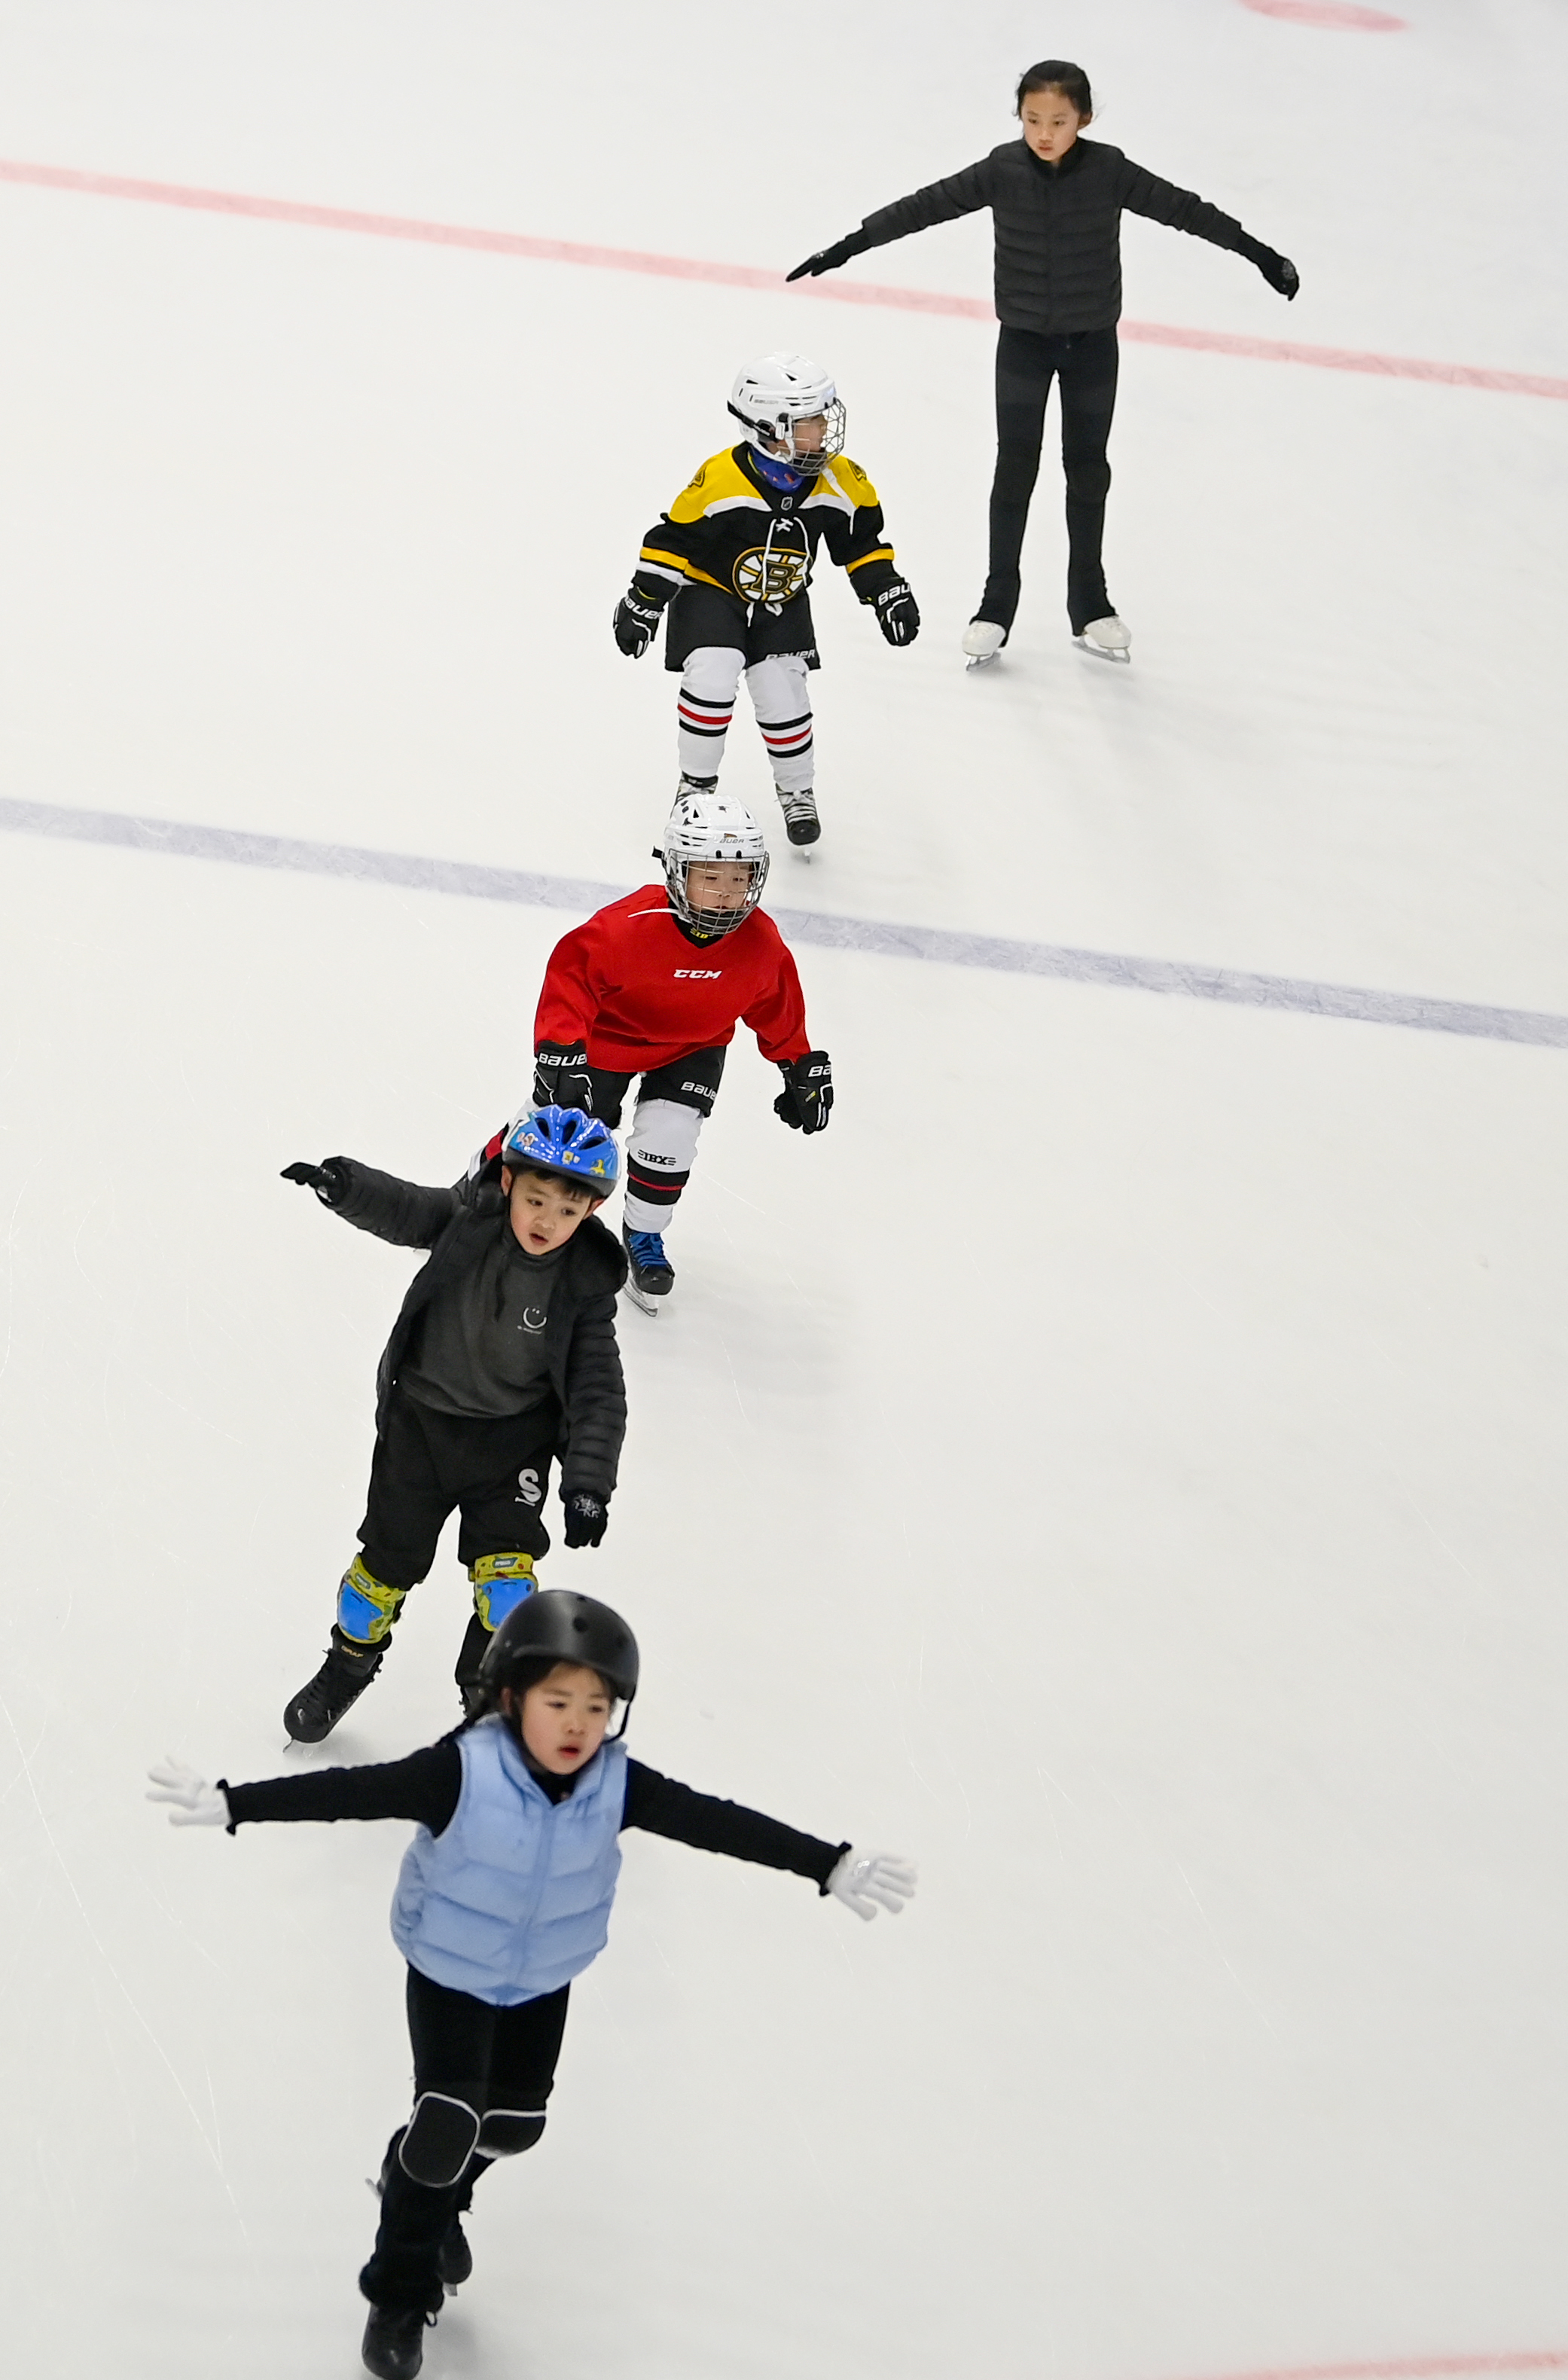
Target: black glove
[(561, 1078), (328, 1181), (587, 1517), (828, 259), (807, 1101), (898, 614), (636, 624), (1277, 271)]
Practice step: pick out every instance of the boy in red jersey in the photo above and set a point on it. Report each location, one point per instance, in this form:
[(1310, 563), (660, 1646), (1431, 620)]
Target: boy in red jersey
[(654, 985)]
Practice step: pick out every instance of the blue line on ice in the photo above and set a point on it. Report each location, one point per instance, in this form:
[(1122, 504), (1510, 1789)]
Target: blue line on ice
[(934, 944)]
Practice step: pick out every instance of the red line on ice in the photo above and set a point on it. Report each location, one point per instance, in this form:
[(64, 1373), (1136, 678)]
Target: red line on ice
[(1418, 2367), (1338, 15), (747, 276)]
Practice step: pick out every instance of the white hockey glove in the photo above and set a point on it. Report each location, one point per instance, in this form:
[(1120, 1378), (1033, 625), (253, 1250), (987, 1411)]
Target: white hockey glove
[(197, 1803), (866, 1881)]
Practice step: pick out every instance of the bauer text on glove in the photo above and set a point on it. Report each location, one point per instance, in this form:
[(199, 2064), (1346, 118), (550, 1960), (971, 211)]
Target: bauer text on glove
[(637, 623), (898, 614), (197, 1803), (806, 1102), (326, 1180), (866, 1881), (561, 1078), (587, 1517)]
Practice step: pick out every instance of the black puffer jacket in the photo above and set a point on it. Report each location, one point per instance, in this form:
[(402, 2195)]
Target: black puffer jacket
[(457, 1226), (1058, 228)]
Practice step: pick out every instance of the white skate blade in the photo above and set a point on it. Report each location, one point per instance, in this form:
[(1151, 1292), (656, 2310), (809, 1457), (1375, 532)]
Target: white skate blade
[(980, 660), (983, 640), (643, 1303), (1107, 639)]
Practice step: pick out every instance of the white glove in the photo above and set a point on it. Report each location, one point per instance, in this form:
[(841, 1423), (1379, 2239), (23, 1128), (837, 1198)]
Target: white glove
[(866, 1881), (199, 1804)]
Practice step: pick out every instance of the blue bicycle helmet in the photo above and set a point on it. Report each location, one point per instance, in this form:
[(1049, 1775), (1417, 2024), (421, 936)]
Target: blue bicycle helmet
[(564, 1141)]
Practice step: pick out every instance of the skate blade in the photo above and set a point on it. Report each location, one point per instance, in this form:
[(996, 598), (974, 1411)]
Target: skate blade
[(643, 1303), (982, 661), (806, 851), (1100, 652)]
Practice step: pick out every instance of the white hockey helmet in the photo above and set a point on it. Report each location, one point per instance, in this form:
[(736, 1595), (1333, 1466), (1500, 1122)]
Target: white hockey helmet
[(712, 826), (771, 395)]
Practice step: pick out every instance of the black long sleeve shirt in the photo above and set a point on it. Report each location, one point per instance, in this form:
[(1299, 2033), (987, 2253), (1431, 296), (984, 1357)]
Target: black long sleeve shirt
[(426, 1786)]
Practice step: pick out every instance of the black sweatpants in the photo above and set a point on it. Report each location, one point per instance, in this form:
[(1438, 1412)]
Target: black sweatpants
[(429, 1464), (500, 2058), (1083, 364)]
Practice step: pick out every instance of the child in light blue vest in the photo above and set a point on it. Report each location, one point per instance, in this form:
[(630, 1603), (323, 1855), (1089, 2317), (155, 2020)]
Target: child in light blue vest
[(503, 1896)]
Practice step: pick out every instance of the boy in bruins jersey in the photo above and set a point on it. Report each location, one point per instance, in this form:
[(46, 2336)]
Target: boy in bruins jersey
[(735, 550)]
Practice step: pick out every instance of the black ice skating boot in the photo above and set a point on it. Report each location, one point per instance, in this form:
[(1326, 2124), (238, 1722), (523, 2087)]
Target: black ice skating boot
[(456, 2256), (394, 2345), (470, 1653), (339, 1682), (649, 1273), (801, 823)]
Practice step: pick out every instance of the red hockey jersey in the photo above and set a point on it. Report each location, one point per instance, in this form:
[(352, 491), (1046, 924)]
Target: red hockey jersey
[(629, 984)]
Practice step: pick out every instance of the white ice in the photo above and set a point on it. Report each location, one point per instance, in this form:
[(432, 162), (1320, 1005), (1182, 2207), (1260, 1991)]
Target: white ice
[(1119, 1465)]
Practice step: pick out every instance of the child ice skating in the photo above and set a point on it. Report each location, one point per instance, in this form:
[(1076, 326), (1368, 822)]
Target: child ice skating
[(653, 986), (1056, 202), (503, 1896), (505, 1351), (732, 559)]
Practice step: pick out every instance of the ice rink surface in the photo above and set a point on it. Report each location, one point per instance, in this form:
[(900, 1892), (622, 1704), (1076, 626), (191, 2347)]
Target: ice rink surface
[(1119, 1465)]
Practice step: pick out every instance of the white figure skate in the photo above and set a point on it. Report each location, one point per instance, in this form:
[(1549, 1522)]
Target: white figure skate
[(1110, 639), (983, 640)]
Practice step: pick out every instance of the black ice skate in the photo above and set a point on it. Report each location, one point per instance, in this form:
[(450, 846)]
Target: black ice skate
[(393, 2344), (456, 2258), (801, 822), (338, 1683), (470, 1653), (650, 1274)]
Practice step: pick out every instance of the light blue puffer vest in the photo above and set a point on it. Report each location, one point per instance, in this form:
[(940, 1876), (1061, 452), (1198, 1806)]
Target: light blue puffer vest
[(513, 1898)]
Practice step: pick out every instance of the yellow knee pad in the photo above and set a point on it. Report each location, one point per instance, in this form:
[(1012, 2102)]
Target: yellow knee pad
[(500, 1583), (367, 1608)]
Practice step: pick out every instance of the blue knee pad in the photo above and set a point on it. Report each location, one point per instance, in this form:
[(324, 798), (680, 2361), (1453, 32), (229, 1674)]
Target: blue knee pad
[(500, 1583), (367, 1606)]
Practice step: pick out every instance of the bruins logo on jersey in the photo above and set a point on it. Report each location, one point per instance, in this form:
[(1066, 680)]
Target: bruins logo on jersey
[(770, 575)]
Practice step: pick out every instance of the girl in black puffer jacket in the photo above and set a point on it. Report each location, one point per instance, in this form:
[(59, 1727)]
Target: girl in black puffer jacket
[(1056, 201)]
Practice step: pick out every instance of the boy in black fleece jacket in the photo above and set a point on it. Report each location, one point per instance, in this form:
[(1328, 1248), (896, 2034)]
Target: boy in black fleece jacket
[(503, 1357)]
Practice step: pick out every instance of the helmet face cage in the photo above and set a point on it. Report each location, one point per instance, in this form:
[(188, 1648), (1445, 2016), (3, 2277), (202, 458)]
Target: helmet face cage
[(767, 434), (713, 922)]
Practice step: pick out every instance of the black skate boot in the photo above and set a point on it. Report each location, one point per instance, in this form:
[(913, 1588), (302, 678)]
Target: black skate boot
[(394, 2345), (337, 1684), (650, 1275), (801, 822), (470, 1653), (457, 2257)]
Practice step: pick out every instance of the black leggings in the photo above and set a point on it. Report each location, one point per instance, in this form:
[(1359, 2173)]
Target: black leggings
[(1085, 364), (488, 2058)]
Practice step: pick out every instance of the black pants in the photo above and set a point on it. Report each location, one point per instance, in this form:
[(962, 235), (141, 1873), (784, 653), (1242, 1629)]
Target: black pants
[(488, 2058), (429, 1464), (1085, 365)]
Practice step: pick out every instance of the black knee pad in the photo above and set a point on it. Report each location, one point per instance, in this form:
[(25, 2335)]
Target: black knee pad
[(507, 2131), (440, 2139)]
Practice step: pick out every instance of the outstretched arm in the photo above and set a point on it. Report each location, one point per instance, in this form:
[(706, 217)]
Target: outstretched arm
[(959, 194), (863, 1881), (1145, 194), (424, 1787), (404, 1212)]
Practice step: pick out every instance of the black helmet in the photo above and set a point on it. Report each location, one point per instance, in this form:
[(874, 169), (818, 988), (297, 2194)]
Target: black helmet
[(555, 1624)]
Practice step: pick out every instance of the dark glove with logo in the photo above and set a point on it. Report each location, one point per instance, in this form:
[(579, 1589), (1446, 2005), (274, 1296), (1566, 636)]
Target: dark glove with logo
[(587, 1517), (898, 614), (637, 623), (828, 259), (327, 1179), (561, 1078), (1277, 270), (807, 1101)]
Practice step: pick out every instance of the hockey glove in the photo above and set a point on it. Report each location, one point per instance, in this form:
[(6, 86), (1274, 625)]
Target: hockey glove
[(587, 1518), (636, 624), (866, 1881), (197, 1803), (807, 1101), (326, 1180), (898, 614), (828, 259), (561, 1078)]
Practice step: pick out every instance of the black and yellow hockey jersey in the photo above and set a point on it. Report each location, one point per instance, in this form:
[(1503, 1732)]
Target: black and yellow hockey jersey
[(730, 528)]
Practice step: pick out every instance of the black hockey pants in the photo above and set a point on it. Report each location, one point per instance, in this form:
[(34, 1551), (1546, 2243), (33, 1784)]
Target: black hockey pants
[(1085, 365), (428, 1464), (491, 2059)]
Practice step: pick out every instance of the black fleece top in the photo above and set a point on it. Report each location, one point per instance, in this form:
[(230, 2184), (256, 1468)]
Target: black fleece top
[(1058, 228), (425, 1787)]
